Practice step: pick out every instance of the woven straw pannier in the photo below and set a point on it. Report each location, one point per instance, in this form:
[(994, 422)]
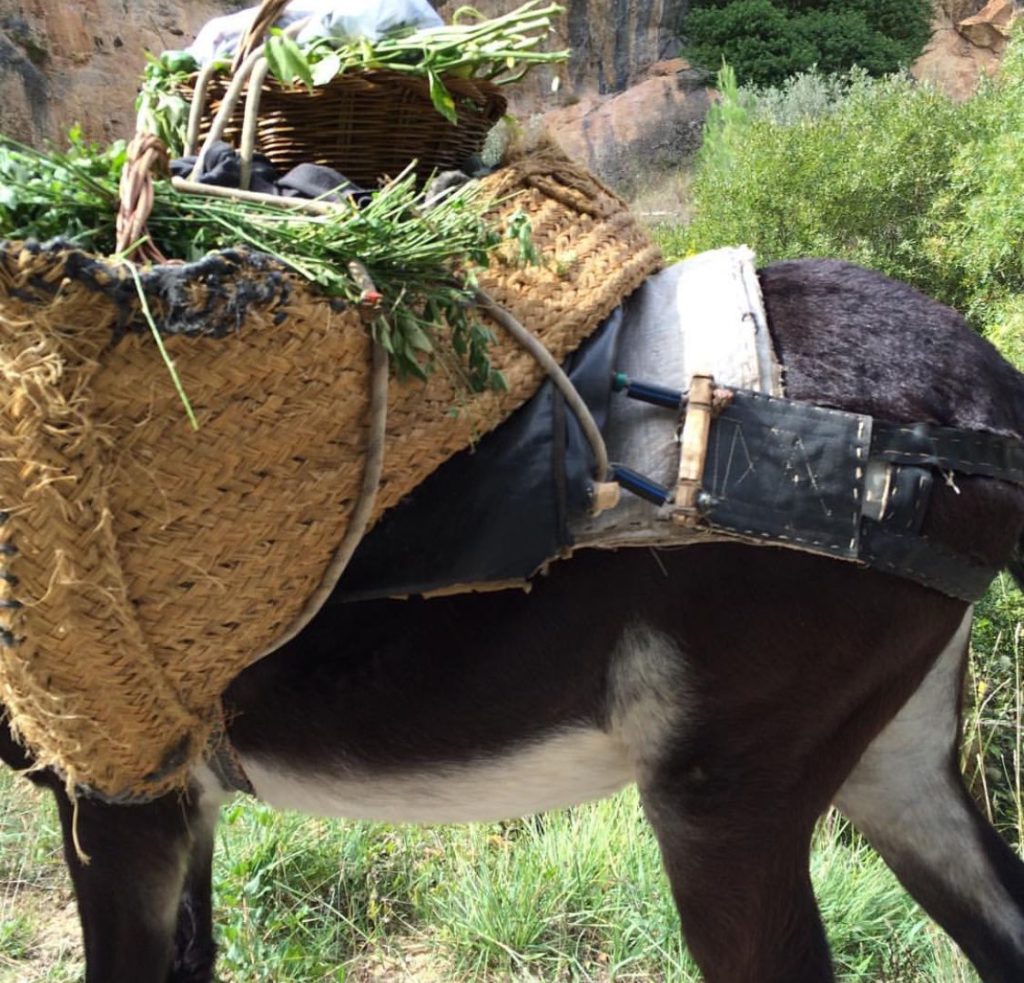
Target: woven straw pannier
[(144, 565)]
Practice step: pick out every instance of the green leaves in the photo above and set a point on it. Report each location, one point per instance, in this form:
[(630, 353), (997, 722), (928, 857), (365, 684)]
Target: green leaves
[(326, 69), (160, 107), (72, 194), (287, 60), (442, 98)]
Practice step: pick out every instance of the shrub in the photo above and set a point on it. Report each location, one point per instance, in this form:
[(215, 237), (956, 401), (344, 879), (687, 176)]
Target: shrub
[(767, 40), (979, 217), (829, 166)]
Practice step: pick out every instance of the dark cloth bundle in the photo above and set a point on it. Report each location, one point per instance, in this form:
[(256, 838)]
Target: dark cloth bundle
[(223, 168)]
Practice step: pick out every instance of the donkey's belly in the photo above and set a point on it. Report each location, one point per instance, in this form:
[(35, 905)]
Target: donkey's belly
[(561, 769)]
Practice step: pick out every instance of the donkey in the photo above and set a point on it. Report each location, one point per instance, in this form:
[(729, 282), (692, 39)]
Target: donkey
[(743, 688)]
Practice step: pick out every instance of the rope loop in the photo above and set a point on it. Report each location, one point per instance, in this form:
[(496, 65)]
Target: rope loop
[(146, 156)]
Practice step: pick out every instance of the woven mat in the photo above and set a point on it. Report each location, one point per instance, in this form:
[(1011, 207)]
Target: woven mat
[(143, 564)]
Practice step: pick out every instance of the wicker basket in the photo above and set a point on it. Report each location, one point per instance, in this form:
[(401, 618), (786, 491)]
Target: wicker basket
[(143, 566), (366, 124)]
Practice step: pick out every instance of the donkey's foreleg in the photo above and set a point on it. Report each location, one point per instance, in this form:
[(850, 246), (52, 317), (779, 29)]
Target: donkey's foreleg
[(194, 950), (130, 889), (907, 797)]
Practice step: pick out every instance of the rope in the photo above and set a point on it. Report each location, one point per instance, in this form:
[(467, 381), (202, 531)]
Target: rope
[(547, 361), (146, 155)]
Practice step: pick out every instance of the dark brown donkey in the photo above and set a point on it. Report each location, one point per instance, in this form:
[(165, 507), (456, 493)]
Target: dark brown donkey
[(743, 689)]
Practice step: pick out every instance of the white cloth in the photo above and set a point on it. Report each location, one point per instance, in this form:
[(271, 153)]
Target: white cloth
[(345, 19), (703, 316)]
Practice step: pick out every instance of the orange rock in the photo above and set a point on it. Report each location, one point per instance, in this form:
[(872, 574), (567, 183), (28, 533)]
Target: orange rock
[(67, 63), (990, 27)]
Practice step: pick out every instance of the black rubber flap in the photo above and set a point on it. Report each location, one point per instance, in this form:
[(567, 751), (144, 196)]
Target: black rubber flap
[(501, 510), (787, 472)]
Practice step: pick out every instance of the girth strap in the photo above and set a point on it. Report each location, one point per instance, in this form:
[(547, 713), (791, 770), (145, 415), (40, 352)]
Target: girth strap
[(948, 449)]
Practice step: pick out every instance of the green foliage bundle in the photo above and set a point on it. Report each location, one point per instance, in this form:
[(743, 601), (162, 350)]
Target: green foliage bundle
[(420, 260), (765, 41)]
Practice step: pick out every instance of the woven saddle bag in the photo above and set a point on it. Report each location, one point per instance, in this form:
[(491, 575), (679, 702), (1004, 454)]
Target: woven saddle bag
[(144, 565)]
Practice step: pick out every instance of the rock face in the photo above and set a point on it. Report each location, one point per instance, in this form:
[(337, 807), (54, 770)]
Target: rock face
[(653, 125), (968, 38), (990, 27), (80, 60)]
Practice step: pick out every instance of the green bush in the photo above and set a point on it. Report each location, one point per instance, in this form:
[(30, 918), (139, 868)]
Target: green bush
[(827, 166), (767, 40), (884, 172), (979, 217)]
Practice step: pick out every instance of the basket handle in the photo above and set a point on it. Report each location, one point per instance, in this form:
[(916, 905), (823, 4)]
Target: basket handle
[(238, 82), (263, 20), (146, 155)]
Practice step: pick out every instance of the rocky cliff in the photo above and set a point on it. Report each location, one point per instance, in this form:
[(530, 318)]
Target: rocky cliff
[(968, 39), (80, 60)]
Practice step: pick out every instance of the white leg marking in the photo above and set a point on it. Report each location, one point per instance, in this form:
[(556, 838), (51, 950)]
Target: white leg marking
[(649, 695), (902, 796), (562, 769)]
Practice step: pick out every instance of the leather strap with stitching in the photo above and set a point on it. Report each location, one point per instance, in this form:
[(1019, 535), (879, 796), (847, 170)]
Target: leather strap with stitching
[(966, 451)]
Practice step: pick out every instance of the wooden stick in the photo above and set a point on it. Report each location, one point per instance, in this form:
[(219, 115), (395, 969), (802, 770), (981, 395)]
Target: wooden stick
[(255, 197)]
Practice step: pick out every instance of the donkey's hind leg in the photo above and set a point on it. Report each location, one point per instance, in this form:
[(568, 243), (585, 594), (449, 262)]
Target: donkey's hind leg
[(742, 888), (907, 797)]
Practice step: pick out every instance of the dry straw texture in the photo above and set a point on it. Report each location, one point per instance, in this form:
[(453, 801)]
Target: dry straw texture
[(143, 564)]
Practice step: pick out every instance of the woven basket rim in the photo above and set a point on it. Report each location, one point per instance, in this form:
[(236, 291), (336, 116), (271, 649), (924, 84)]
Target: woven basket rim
[(484, 91), (165, 284)]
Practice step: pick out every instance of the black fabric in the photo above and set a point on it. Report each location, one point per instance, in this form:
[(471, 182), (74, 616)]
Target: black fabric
[(917, 558), (222, 168), (500, 510), (791, 473)]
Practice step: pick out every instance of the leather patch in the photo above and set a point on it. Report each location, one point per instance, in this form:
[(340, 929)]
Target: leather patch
[(787, 472)]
